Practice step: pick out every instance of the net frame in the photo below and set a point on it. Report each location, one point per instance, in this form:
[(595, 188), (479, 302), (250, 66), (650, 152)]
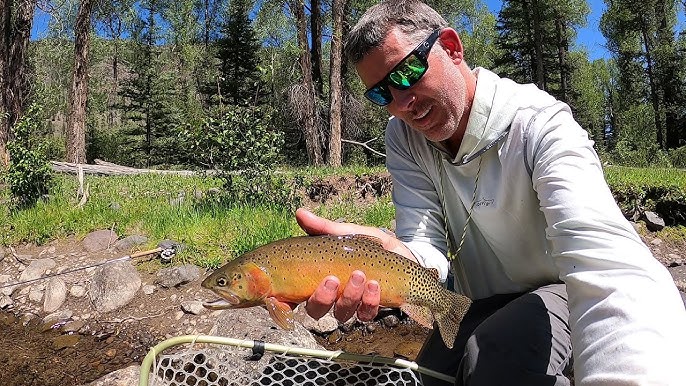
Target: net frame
[(326, 357)]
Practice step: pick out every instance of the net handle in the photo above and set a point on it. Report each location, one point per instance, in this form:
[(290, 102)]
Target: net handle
[(276, 348)]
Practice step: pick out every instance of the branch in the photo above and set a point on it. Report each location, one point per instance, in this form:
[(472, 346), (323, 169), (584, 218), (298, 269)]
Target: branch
[(365, 145)]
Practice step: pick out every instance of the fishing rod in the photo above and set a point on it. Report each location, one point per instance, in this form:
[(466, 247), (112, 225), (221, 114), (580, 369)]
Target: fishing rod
[(166, 251)]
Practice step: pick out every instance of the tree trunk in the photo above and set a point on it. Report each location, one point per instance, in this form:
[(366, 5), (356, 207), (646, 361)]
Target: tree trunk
[(314, 152), (562, 45), (76, 128), (336, 86), (15, 32), (316, 25), (654, 92)]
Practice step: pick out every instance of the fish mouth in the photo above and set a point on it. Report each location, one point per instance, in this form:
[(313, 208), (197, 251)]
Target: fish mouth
[(219, 304), (228, 300)]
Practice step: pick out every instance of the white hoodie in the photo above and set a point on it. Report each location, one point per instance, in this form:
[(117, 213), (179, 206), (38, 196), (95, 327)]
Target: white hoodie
[(543, 213)]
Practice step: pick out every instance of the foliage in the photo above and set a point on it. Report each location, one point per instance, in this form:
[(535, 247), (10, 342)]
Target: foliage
[(237, 80), (243, 148), (28, 175), (658, 189), (678, 157)]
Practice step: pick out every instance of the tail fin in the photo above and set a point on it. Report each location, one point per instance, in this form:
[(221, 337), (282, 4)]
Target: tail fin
[(454, 307)]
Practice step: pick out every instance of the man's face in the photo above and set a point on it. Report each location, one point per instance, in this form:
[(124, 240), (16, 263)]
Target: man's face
[(434, 105)]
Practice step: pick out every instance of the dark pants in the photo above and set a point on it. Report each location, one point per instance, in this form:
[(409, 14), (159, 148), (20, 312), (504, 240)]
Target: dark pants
[(514, 339)]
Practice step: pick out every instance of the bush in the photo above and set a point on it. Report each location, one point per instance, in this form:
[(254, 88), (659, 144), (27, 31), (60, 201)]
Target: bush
[(678, 157), (242, 147), (29, 175)]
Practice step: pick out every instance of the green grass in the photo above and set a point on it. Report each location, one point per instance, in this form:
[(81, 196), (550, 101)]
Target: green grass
[(655, 177), (212, 233), (150, 205)]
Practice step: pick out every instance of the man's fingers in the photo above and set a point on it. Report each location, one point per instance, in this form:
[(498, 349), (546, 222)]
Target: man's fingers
[(347, 304), (323, 297), (369, 306)]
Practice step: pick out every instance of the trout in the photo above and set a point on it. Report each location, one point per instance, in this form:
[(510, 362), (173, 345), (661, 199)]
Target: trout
[(286, 272)]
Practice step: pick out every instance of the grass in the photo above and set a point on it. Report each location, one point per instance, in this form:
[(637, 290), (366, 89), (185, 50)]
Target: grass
[(656, 177), (175, 207), (172, 207)]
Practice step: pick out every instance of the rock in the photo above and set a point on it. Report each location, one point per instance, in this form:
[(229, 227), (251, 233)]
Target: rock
[(36, 269), (654, 222), (36, 294), (255, 323), (176, 276), (326, 324), (390, 320), (77, 291), (7, 279), (407, 349), (250, 324), (114, 285), (5, 302), (74, 326), (656, 242), (55, 294), (64, 341), (99, 240), (59, 317), (127, 243), (193, 307), (124, 377), (148, 289)]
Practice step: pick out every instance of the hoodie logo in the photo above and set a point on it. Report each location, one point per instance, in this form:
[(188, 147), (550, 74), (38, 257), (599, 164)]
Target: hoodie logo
[(484, 202)]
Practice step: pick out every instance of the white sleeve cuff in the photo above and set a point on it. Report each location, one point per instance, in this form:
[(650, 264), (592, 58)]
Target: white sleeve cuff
[(430, 257)]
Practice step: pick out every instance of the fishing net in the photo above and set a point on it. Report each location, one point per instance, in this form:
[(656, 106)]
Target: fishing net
[(230, 362)]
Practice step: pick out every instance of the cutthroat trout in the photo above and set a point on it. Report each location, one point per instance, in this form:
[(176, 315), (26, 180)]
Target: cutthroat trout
[(286, 272)]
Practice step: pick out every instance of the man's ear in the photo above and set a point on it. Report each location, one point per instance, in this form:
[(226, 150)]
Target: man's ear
[(452, 45)]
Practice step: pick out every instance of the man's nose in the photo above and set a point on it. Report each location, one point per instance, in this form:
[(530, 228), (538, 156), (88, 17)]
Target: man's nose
[(403, 99)]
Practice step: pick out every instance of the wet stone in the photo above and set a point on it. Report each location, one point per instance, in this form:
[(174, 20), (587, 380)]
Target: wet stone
[(64, 341)]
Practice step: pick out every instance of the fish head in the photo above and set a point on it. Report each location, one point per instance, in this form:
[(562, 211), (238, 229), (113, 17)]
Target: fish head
[(240, 285)]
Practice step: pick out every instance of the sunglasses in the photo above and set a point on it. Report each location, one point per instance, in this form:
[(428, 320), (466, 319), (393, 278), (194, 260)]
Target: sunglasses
[(405, 74)]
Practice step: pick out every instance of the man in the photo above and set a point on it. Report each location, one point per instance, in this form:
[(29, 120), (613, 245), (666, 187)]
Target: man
[(501, 175)]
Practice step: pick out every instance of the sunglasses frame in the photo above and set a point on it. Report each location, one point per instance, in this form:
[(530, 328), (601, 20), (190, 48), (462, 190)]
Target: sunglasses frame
[(421, 52)]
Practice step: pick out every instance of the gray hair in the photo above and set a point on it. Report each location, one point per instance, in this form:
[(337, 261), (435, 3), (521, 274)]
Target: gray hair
[(412, 17)]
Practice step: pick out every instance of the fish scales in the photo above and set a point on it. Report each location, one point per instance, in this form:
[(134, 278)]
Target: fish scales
[(283, 273)]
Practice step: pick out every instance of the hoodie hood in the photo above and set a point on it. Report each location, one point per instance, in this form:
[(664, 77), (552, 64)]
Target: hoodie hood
[(493, 109)]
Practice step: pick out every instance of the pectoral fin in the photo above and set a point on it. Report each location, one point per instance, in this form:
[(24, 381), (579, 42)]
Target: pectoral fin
[(420, 314), (281, 313)]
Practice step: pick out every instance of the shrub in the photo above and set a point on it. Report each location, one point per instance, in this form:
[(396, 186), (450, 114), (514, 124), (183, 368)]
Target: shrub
[(678, 157), (29, 175), (242, 148)]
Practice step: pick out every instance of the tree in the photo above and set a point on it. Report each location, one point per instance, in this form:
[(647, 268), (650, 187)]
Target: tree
[(76, 128), (149, 97), (534, 39), (238, 79), (640, 35), (304, 94), (16, 19), (336, 86)]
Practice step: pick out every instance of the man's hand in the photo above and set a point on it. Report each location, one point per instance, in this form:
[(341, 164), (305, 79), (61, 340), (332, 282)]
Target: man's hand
[(359, 295)]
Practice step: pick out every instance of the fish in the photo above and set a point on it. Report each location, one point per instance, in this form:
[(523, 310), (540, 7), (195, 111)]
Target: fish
[(281, 274)]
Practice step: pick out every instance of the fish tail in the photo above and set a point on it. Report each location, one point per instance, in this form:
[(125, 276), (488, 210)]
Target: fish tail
[(450, 315)]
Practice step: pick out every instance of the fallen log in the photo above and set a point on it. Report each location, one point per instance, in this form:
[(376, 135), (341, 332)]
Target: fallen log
[(104, 168)]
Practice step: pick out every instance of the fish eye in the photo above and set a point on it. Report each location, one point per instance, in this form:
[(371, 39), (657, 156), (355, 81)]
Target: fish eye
[(221, 281)]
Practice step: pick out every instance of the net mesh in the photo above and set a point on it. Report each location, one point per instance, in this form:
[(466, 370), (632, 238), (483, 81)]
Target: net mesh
[(235, 367)]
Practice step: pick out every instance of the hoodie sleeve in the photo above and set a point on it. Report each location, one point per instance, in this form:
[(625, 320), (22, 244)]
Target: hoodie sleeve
[(419, 218), (627, 319)]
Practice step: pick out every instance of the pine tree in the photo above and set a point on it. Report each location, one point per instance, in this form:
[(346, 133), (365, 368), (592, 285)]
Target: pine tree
[(238, 77), (152, 118)]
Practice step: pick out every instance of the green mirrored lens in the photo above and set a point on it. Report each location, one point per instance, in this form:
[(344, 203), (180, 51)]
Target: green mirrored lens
[(408, 72)]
